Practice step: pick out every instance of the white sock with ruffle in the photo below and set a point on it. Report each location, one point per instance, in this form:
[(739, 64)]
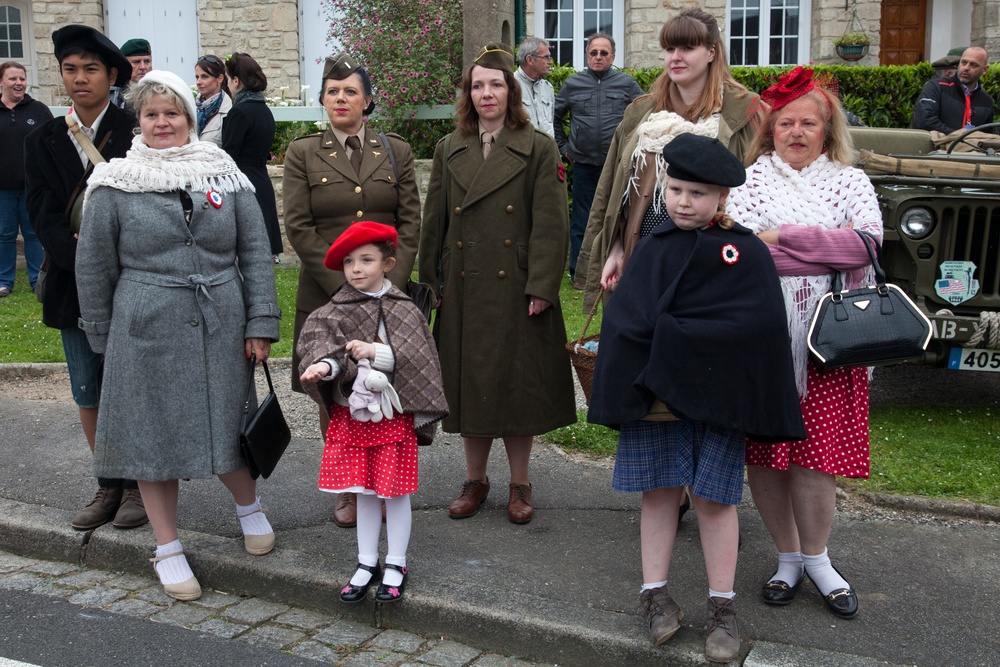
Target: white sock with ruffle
[(173, 570)]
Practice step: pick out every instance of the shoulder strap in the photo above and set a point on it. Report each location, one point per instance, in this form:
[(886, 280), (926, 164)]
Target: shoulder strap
[(82, 183), (93, 154), (392, 157)]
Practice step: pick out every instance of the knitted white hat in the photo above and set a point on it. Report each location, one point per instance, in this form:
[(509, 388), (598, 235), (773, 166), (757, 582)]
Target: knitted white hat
[(176, 84)]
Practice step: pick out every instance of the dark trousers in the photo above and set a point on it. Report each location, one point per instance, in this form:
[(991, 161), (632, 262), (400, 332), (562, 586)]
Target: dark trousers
[(585, 177)]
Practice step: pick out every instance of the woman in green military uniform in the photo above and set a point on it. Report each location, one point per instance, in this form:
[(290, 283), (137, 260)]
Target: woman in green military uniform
[(495, 251), (334, 179)]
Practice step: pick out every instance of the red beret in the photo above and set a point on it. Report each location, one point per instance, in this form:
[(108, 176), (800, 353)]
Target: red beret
[(357, 235)]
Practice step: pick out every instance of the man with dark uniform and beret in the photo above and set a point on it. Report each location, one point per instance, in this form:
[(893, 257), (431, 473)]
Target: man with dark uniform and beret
[(57, 165), (344, 175)]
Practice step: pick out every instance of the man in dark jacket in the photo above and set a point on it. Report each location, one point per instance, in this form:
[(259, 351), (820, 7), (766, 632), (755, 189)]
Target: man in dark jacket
[(958, 102), (595, 99), (56, 171)]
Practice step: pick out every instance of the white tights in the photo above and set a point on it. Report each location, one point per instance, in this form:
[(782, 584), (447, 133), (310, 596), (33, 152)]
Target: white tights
[(398, 521)]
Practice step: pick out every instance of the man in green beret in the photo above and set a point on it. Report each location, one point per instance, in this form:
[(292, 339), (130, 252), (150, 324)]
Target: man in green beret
[(138, 53)]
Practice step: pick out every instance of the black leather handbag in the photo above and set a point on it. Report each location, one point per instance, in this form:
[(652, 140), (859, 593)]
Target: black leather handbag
[(264, 434), (869, 326)]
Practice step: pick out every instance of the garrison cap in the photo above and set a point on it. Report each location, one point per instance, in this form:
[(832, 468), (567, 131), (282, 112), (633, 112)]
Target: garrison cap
[(691, 157), (136, 47), (340, 66), (84, 37), (496, 55)]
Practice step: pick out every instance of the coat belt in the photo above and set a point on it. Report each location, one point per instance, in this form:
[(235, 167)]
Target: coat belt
[(197, 282)]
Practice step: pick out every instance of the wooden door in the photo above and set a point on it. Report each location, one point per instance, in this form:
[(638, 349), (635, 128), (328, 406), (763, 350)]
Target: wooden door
[(902, 32)]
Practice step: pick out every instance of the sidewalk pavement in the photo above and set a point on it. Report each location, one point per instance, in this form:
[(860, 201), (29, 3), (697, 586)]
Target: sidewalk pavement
[(561, 589)]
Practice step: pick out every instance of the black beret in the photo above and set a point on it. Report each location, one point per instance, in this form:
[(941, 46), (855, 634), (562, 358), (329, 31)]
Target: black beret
[(496, 55), (691, 157), (84, 37), (136, 47)]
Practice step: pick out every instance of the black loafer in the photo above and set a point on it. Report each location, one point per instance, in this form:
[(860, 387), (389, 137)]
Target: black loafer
[(843, 602), (392, 593), (778, 592), (351, 593)]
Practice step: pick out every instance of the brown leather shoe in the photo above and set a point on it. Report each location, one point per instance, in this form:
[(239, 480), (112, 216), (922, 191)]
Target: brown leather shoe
[(100, 510), (345, 512), (131, 513), (519, 509), (661, 613), (473, 495), (723, 641)]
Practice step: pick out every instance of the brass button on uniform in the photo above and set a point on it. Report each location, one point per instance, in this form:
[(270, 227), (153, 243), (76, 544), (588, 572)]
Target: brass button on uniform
[(461, 274), (507, 243), (323, 180), (502, 275), (188, 242), (204, 204), (458, 244), (360, 213), (510, 208), (458, 210), (357, 189)]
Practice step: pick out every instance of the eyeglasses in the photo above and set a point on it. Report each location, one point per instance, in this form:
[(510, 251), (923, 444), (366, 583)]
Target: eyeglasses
[(535, 55), (603, 54)]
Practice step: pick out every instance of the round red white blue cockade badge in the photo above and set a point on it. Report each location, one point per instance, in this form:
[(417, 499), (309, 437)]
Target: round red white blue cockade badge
[(730, 254), (215, 199)]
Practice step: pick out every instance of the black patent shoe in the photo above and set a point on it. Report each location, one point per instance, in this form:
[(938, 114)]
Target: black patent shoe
[(778, 592), (842, 602), (392, 593), (351, 593)]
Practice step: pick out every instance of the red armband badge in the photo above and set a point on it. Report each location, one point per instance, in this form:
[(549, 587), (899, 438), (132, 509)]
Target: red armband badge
[(561, 172)]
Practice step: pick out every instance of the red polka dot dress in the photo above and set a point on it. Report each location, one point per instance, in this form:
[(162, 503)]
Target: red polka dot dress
[(368, 457), (835, 411)]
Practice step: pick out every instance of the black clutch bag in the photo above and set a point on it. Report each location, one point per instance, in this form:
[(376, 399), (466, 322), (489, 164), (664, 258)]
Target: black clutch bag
[(869, 326), (264, 434)]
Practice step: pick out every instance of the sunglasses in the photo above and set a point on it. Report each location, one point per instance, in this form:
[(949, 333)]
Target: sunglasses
[(603, 54), (211, 59)]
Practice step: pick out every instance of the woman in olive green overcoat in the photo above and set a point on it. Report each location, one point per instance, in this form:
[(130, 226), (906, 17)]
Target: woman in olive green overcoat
[(495, 252)]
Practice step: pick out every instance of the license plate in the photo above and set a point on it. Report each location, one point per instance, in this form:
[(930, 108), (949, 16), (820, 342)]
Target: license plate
[(974, 359)]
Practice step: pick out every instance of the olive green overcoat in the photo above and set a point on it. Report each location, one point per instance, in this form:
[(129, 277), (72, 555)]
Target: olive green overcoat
[(324, 194), (502, 240)]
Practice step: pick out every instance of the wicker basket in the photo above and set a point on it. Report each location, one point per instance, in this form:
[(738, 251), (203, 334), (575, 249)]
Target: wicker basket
[(584, 360)]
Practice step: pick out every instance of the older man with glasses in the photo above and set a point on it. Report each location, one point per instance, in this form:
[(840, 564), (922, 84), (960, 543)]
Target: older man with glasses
[(537, 95), (595, 99)]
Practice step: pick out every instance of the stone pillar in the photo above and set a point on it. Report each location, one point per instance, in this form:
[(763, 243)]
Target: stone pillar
[(48, 17), (486, 21), (986, 26)]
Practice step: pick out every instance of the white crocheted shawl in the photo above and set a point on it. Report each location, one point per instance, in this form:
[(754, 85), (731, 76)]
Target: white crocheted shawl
[(198, 165), (658, 130), (824, 193)]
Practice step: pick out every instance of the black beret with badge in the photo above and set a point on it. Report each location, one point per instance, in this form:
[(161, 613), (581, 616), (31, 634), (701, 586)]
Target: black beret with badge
[(136, 47), (692, 157), (496, 55), (72, 37), (340, 66)]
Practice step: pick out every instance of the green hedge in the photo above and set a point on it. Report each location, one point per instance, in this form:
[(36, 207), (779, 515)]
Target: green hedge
[(882, 96)]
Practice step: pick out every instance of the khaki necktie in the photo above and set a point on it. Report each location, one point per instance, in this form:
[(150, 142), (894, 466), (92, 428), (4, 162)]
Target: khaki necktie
[(487, 144), (355, 145)]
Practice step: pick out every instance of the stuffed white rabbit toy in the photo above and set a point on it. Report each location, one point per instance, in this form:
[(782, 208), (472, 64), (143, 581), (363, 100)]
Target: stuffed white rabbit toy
[(372, 397)]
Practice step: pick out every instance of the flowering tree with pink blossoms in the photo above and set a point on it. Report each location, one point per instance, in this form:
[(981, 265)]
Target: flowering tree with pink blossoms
[(413, 52)]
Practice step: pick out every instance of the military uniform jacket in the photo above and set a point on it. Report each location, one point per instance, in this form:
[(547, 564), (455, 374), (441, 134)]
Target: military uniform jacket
[(698, 322), (52, 170), (503, 239)]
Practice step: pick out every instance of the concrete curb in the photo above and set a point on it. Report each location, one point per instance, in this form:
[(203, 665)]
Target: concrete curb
[(956, 508)]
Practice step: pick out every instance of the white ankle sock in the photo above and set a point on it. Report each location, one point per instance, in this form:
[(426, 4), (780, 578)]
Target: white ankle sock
[(716, 594), (651, 586), (822, 573), (789, 568), (362, 577), (252, 519), (173, 570), (392, 577)]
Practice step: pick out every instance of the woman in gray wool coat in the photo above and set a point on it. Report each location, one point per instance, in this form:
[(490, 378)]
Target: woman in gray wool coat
[(162, 298)]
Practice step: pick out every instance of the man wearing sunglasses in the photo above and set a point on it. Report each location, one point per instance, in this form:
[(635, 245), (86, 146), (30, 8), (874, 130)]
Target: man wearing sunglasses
[(537, 95), (595, 99)]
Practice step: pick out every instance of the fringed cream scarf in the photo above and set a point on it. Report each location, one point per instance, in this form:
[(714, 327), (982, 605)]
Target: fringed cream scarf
[(198, 165)]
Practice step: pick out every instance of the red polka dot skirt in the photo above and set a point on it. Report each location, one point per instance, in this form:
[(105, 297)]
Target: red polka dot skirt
[(835, 411), (367, 457)]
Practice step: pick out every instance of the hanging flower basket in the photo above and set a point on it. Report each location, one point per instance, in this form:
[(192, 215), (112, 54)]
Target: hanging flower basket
[(852, 52)]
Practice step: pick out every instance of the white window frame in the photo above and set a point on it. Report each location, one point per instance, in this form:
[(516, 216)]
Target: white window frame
[(28, 40), (763, 46), (579, 41)]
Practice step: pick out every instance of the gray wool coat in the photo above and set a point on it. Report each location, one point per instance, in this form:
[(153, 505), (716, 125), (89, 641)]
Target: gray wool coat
[(167, 306)]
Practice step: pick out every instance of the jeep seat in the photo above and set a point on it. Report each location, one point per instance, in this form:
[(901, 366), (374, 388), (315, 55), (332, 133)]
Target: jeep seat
[(892, 140)]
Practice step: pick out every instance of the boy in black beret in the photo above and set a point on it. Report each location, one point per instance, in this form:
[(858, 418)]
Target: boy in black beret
[(57, 167), (693, 357)]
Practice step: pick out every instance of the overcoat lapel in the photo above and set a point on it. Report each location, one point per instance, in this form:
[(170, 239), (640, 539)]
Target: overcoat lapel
[(64, 152), (374, 154), (334, 155), (508, 158)]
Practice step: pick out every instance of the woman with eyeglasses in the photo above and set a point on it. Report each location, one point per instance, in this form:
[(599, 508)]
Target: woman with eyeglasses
[(214, 100)]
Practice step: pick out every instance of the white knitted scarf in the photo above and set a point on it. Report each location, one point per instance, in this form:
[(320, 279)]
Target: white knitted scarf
[(658, 130), (197, 165), (776, 195)]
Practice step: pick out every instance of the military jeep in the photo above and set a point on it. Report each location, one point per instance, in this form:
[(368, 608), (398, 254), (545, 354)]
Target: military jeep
[(941, 212)]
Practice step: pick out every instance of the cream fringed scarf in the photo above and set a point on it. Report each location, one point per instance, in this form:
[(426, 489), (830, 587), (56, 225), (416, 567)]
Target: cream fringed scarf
[(658, 130), (198, 165)]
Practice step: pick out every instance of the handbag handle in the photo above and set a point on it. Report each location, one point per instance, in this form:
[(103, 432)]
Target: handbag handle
[(251, 384), (593, 311), (838, 284)]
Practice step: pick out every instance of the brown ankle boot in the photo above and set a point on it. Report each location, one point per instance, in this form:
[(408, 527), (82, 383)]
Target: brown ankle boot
[(723, 641), (131, 513), (663, 616), (100, 510)]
